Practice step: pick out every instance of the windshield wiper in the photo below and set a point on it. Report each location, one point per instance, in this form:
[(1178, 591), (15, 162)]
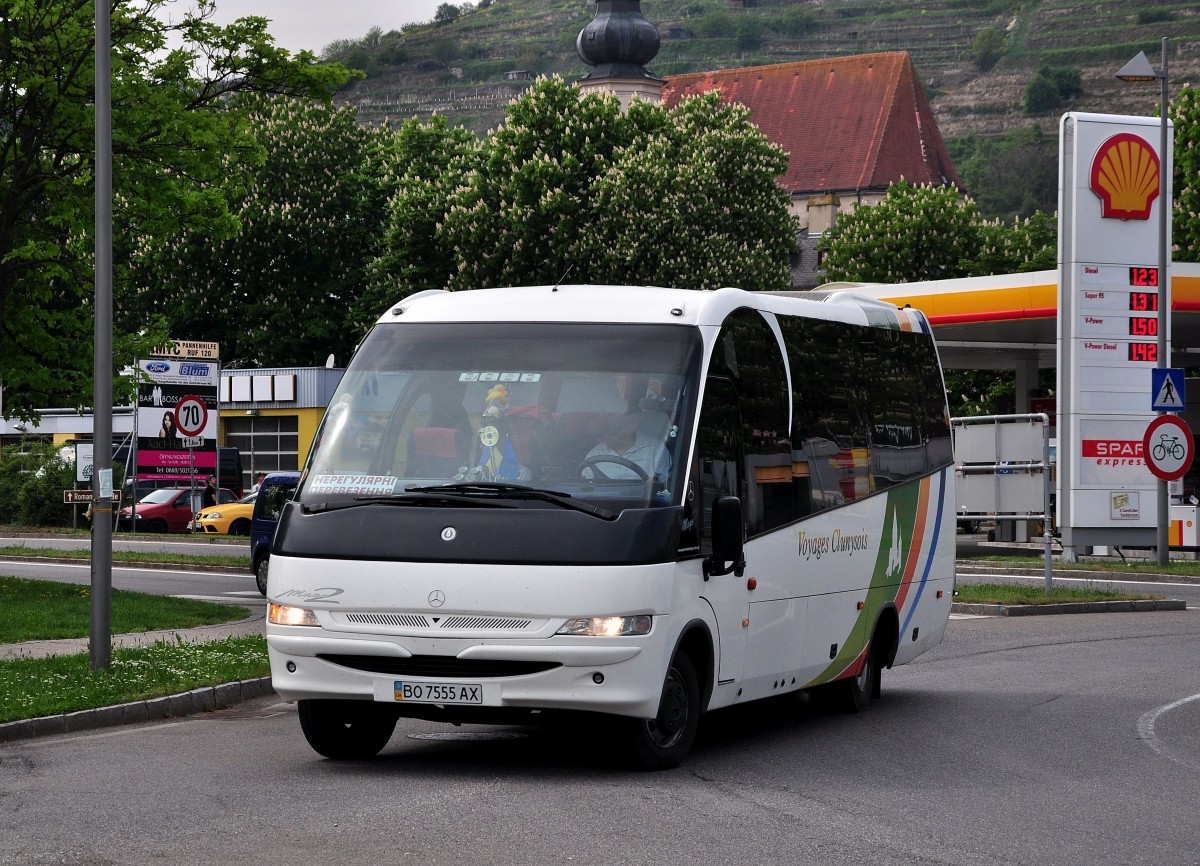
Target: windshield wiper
[(513, 491), (419, 498)]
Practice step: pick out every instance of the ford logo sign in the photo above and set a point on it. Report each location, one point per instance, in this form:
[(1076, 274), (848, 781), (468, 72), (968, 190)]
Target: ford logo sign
[(158, 367)]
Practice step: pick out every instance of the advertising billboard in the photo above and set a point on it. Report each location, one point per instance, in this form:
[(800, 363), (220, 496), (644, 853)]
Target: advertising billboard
[(171, 390)]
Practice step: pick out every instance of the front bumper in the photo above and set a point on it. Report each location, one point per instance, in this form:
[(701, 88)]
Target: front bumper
[(621, 676)]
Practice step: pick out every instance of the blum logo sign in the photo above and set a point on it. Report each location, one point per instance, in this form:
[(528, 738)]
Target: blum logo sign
[(1125, 177)]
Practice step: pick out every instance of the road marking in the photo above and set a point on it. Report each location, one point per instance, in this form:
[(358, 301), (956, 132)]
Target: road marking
[(1148, 736)]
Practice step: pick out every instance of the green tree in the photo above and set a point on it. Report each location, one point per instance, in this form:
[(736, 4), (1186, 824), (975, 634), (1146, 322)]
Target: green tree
[(1184, 110), (446, 13), (988, 47), (693, 203), (1041, 95), (571, 187), (1050, 86), (926, 233), (1026, 245), (748, 31), (421, 166), (175, 137), (1014, 174), (276, 292), (922, 232)]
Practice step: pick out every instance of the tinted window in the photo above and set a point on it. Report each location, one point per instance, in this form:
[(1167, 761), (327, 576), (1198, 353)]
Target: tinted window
[(868, 409)]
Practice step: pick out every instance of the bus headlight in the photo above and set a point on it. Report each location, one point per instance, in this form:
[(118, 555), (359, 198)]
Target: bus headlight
[(283, 614), (607, 626)]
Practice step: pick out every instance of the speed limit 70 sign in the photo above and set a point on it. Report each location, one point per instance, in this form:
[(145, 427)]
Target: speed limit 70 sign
[(190, 415)]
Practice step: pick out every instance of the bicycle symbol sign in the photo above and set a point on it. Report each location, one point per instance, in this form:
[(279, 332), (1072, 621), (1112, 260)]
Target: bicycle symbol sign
[(1168, 447)]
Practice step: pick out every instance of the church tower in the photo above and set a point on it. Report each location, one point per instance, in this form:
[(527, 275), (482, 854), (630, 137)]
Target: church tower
[(617, 44)]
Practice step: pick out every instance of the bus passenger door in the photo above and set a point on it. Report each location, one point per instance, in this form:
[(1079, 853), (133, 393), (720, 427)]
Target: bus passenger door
[(719, 455)]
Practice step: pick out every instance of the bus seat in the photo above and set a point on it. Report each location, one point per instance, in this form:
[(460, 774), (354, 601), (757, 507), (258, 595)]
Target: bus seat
[(435, 452)]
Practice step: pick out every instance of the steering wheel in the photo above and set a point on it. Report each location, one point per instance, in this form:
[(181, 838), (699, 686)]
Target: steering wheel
[(590, 463)]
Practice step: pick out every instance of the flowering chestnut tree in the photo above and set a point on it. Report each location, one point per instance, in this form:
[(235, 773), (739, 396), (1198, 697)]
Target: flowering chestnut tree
[(1185, 226), (572, 188), (921, 232)]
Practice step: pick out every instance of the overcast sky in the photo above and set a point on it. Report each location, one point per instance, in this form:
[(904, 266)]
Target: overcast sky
[(312, 24)]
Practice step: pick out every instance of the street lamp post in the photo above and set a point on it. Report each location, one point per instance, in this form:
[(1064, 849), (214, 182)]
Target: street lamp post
[(1139, 69)]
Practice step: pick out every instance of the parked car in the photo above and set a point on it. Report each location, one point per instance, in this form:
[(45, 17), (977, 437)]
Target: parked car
[(275, 490), (167, 509), (230, 519)]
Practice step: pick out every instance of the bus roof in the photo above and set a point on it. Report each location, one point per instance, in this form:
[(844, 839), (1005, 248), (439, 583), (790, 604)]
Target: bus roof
[(639, 304)]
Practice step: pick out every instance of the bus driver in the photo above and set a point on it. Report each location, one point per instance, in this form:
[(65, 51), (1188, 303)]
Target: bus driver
[(622, 438)]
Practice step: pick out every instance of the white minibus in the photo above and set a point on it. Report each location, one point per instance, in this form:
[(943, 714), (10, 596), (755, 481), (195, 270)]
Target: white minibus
[(636, 503)]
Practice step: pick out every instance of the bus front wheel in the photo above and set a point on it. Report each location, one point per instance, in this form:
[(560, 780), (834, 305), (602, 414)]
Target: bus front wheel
[(663, 742), (346, 730)]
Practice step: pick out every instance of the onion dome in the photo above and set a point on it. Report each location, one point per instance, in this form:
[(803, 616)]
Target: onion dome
[(619, 41)]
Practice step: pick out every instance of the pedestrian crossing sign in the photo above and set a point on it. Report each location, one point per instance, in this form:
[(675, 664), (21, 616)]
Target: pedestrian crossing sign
[(1166, 389)]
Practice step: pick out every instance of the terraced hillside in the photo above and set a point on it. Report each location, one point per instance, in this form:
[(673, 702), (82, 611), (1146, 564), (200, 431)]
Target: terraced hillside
[(469, 68)]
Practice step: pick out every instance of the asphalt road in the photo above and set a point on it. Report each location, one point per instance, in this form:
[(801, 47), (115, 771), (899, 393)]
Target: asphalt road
[(1042, 740)]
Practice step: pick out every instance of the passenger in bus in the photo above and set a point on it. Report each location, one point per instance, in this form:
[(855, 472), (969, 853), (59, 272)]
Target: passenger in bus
[(621, 436)]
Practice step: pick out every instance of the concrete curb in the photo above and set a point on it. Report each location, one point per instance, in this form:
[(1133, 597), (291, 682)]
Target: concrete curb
[(200, 700), (1139, 606)]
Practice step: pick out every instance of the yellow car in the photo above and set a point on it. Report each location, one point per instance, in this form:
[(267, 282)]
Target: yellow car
[(232, 518)]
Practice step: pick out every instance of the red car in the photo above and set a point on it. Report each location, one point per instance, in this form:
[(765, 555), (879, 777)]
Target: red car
[(168, 509)]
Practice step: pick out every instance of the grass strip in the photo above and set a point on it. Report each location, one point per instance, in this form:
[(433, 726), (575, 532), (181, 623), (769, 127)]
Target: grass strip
[(31, 688), (1177, 568), (47, 610), (240, 561), (1003, 593)]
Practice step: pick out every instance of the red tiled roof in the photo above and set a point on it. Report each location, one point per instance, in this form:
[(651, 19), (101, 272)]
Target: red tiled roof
[(849, 123)]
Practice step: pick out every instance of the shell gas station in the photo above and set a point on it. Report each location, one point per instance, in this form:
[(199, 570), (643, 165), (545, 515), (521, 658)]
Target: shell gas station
[(1095, 319)]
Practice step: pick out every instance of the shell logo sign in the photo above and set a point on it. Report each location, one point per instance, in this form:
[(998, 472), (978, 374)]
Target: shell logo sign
[(1125, 177)]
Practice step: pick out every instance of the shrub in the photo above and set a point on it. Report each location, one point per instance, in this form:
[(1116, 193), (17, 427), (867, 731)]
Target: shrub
[(988, 46), (31, 486)]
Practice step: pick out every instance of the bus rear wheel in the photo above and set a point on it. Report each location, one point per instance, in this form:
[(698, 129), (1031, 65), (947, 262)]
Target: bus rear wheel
[(663, 742), (346, 730), (857, 691)]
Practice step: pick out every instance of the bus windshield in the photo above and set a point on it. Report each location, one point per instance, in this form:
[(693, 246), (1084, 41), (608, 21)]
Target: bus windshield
[(580, 413)]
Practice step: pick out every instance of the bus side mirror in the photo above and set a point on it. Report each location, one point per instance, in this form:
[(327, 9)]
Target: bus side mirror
[(727, 555)]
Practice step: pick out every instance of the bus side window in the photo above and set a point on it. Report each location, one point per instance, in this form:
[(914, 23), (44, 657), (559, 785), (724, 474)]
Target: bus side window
[(719, 440), (748, 354)]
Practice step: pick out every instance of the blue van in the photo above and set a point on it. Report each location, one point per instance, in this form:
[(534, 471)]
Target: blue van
[(276, 489)]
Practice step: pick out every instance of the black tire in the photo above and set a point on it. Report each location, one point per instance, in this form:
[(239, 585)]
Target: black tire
[(663, 742), (346, 730), (156, 526), (856, 692), (260, 573), (239, 527)]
